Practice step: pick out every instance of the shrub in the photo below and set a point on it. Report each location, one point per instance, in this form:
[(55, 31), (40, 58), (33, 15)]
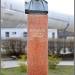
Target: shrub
[(53, 61), (14, 46), (23, 58), (23, 66)]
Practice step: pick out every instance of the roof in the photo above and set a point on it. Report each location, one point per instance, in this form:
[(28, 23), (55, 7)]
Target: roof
[(17, 19)]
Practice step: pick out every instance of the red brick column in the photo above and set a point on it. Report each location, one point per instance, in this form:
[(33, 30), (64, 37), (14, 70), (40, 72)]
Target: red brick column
[(37, 44)]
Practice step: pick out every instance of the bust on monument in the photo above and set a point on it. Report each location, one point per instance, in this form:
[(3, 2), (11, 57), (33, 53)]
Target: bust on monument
[(36, 6)]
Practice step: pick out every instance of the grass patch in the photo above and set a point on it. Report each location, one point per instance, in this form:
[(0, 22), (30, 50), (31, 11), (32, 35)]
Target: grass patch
[(13, 71), (60, 70)]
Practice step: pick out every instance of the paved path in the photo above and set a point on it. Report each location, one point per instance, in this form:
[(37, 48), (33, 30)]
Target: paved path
[(66, 63), (10, 64)]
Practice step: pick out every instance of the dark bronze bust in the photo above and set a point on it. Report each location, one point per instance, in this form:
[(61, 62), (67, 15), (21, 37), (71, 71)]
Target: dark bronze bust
[(36, 6)]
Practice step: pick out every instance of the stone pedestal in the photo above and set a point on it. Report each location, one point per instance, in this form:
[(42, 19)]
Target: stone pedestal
[(37, 44)]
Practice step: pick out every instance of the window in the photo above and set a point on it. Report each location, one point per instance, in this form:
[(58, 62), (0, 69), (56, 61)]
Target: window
[(53, 35), (13, 33), (10, 6), (25, 34), (5, 4), (7, 34)]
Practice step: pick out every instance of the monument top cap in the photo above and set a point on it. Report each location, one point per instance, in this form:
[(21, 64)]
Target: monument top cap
[(36, 6)]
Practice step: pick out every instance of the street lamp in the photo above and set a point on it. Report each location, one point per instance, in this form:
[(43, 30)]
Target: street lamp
[(65, 35)]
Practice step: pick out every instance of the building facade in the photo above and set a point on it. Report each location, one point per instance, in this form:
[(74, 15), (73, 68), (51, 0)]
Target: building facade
[(22, 33)]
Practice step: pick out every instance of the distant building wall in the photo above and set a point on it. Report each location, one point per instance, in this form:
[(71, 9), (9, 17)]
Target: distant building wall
[(13, 32), (20, 33), (50, 33)]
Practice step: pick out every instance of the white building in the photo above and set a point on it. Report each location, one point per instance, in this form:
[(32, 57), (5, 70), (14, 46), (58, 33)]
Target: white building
[(22, 33)]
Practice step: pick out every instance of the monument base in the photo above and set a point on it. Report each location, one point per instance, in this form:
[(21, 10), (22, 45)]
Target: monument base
[(37, 44)]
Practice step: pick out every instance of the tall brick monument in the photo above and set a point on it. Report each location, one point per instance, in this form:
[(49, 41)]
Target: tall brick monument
[(37, 42)]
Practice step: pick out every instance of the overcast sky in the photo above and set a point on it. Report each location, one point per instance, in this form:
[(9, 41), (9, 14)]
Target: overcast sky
[(61, 6)]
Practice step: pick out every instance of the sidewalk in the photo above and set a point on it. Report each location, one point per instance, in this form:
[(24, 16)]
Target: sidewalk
[(11, 64), (68, 63)]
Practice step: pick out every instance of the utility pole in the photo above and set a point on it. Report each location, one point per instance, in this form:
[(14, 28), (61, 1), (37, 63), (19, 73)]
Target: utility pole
[(65, 35)]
